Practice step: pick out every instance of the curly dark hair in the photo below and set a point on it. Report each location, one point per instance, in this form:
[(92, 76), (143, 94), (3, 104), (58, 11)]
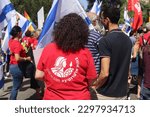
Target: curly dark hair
[(71, 33)]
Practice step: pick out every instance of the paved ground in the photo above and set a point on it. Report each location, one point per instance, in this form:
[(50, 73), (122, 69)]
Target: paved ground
[(26, 93)]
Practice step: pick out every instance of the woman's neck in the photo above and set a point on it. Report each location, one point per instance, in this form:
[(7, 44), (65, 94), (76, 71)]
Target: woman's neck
[(16, 38)]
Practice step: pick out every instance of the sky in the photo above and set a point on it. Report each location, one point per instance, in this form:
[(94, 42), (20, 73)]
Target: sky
[(83, 3)]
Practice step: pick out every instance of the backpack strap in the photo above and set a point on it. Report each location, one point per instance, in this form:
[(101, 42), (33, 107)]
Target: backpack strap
[(146, 41), (143, 41)]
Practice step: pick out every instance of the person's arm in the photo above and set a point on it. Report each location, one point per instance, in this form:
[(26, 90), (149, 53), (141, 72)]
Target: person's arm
[(19, 58), (91, 82), (105, 64), (39, 75), (136, 48), (129, 74)]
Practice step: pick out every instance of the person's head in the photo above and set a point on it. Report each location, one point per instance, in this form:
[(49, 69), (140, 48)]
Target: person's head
[(109, 15), (140, 30), (93, 17), (71, 33), (147, 26), (36, 33), (16, 32), (28, 33), (145, 30)]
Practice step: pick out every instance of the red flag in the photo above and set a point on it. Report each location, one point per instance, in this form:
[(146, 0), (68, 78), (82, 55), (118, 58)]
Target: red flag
[(130, 5), (134, 5)]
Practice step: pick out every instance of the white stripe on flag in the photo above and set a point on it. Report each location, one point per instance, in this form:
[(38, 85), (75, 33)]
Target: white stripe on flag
[(126, 17), (127, 27), (6, 12), (59, 9), (45, 36), (96, 7)]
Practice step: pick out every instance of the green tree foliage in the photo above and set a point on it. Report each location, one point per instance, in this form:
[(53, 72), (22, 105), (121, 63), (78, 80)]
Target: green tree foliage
[(123, 3), (32, 7), (118, 3), (90, 4), (145, 8)]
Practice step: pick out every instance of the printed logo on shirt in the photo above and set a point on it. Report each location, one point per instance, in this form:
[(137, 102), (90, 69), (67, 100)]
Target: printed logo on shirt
[(64, 70)]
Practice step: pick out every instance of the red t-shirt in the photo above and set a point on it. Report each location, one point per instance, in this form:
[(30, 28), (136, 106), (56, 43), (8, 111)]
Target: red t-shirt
[(145, 36), (30, 41), (35, 42), (66, 75), (15, 48)]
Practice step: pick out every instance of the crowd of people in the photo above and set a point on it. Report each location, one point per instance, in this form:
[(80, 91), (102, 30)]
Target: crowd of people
[(79, 63), (140, 65), (18, 62)]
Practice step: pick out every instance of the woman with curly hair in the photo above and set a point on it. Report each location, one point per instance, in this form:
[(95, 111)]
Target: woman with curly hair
[(66, 66)]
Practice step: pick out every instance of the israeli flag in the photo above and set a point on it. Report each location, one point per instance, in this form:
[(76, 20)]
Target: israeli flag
[(6, 12), (59, 9), (96, 7), (127, 27), (23, 23), (126, 17)]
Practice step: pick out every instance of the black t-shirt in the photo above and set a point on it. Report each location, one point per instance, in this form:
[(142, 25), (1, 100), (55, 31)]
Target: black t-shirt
[(117, 46)]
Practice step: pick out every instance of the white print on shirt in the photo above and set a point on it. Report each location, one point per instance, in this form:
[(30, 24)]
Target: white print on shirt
[(64, 70), (138, 7)]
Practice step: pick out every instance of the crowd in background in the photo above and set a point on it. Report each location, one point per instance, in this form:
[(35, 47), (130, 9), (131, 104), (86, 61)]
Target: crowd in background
[(80, 64)]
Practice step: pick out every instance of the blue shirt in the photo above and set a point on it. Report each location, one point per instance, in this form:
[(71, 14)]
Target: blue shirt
[(93, 42), (134, 65)]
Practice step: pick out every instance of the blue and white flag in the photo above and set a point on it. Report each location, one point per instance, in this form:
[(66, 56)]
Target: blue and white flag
[(96, 7), (126, 27), (6, 12), (59, 9), (23, 23), (126, 17)]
